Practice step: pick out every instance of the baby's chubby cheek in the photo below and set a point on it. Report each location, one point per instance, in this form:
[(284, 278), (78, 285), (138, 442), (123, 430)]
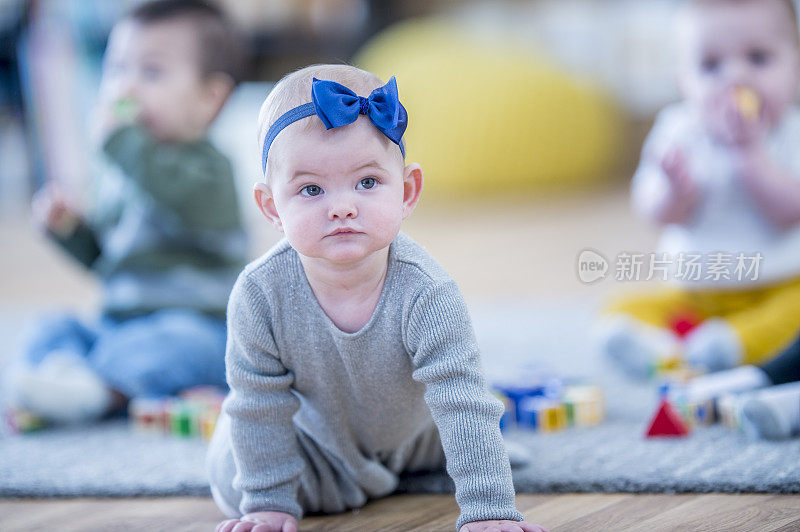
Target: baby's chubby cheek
[(387, 224), (302, 231)]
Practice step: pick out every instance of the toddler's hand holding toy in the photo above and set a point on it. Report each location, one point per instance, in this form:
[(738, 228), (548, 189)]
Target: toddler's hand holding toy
[(53, 210), (501, 526), (260, 522), (735, 116), (112, 114)]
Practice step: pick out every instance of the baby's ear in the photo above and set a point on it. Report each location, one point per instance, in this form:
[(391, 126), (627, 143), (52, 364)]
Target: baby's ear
[(412, 187), (266, 204), (218, 86)]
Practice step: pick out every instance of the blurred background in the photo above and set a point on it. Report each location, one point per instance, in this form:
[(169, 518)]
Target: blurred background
[(527, 117)]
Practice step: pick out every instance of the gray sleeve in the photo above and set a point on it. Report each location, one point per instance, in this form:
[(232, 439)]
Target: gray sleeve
[(447, 361), (260, 405)]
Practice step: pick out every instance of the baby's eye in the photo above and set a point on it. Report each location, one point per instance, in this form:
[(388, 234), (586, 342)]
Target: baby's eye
[(710, 65), (758, 57), (311, 190), (366, 183)]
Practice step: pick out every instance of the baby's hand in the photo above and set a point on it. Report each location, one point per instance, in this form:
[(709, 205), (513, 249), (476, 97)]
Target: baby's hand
[(684, 192), (52, 209), (676, 168), (260, 522), (501, 526), (733, 122)]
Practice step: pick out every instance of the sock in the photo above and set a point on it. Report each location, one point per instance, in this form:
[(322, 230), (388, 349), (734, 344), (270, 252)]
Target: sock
[(633, 345), (714, 346), (735, 380), (62, 389), (773, 413)]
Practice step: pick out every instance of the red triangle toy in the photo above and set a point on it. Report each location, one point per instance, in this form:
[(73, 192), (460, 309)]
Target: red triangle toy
[(667, 422)]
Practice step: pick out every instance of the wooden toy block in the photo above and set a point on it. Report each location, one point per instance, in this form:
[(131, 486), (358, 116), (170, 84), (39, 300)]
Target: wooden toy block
[(569, 406), (667, 422), (553, 417), (728, 409), (587, 405), (515, 394), (704, 412), (194, 413), (148, 415), (589, 413), (551, 408), (695, 414), (541, 413), (528, 412), (23, 422), (208, 422), (184, 420)]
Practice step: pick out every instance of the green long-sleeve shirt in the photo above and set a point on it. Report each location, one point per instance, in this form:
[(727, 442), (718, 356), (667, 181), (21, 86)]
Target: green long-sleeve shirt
[(164, 227)]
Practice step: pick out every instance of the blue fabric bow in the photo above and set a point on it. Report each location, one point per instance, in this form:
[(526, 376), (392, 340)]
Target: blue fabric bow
[(336, 106)]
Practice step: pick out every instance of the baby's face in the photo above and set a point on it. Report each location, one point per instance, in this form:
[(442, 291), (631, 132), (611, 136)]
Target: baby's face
[(338, 194), (750, 44), (157, 66)]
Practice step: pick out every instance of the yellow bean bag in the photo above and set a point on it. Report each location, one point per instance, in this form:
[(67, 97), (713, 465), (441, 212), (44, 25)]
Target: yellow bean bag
[(493, 119)]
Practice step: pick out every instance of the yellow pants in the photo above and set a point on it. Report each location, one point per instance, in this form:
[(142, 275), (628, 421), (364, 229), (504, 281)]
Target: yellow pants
[(766, 319)]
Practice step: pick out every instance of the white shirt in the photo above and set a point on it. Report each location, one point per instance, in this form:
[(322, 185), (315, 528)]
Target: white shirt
[(729, 236)]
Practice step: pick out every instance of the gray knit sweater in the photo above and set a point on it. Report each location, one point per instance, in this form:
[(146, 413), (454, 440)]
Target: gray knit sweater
[(360, 395)]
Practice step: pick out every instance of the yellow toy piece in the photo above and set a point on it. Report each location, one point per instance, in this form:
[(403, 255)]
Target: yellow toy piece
[(674, 368), (670, 364), (553, 417), (493, 118), (748, 102), (208, 422)]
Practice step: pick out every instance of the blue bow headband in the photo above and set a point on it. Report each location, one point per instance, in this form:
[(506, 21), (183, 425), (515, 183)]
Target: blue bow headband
[(336, 106)]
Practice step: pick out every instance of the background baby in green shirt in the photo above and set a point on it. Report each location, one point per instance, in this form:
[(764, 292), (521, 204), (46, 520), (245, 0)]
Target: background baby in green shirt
[(162, 231)]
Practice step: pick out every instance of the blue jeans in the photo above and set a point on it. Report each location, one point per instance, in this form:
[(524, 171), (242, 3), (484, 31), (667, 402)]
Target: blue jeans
[(156, 354)]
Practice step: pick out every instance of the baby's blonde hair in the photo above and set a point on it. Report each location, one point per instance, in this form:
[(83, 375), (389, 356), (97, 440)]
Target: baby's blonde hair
[(295, 89)]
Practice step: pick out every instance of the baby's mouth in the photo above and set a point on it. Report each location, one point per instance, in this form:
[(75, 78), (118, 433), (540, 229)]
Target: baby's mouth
[(343, 231)]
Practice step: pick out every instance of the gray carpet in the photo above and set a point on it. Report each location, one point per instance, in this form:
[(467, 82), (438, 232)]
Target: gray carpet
[(109, 460)]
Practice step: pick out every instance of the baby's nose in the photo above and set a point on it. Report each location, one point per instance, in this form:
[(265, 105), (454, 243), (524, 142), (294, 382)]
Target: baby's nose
[(738, 72), (343, 206)]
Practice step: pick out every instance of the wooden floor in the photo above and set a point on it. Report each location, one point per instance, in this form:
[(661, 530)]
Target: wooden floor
[(426, 513)]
